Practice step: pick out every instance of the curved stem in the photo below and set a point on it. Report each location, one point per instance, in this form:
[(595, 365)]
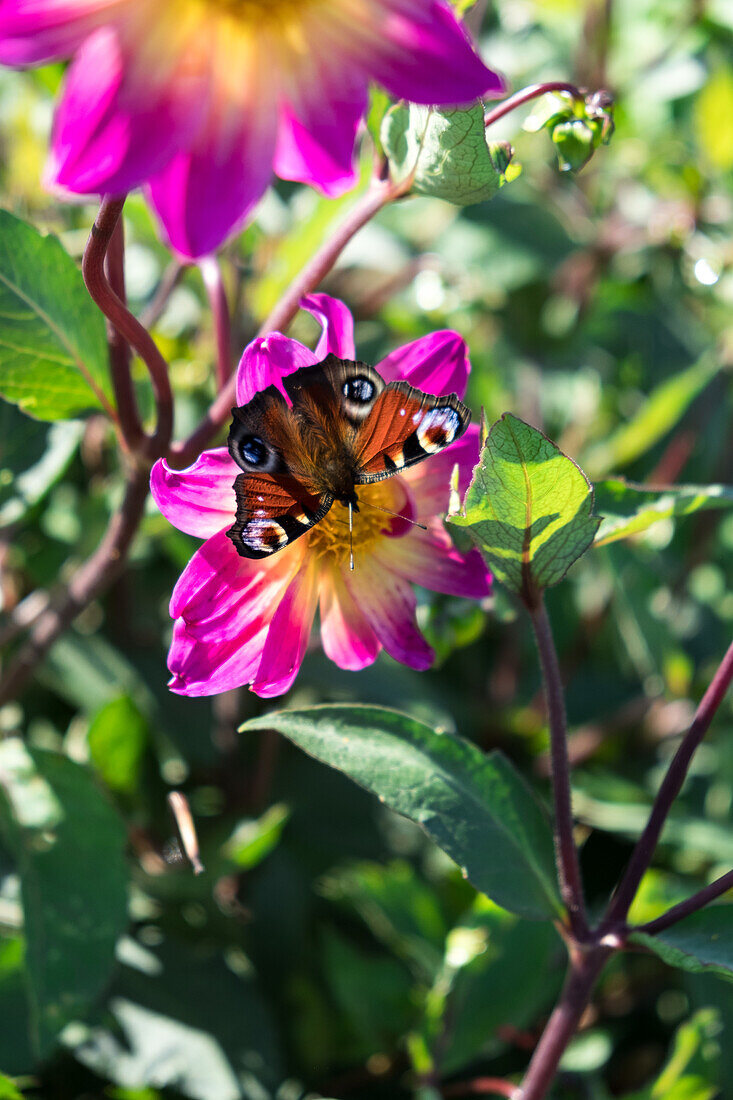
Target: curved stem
[(124, 322), (566, 853), (584, 971), (525, 95), (379, 195), (214, 284), (671, 786), (96, 574), (119, 350), (691, 905), (168, 283)]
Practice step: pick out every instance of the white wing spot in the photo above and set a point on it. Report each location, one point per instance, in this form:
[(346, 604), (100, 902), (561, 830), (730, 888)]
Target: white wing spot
[(403, 412)]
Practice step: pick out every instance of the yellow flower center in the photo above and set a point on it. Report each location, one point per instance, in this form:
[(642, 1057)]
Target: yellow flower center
[(330, 537), (255, 12)]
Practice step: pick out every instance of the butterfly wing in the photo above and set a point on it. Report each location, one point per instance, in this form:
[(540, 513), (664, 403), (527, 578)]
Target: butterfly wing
[(272, 511), (341, 389), (273, 507), (404, 426)]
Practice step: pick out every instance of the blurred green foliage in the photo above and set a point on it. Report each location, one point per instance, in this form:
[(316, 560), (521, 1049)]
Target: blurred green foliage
[(330, 948)]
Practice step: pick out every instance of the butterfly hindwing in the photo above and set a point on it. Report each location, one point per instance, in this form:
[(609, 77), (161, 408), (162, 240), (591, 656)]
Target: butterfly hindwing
[(404, 426), (273, 507), (272, 511)]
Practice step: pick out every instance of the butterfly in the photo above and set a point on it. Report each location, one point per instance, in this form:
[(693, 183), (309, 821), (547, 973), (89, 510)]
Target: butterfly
[(345, 427)]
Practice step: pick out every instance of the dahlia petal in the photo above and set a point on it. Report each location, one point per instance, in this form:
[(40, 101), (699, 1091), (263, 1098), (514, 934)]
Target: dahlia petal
[(199, 500), (206, 191), (346, 635), (430, 559), (337, 337), (217, 579), (287, 638), (388, 603), (266, 361), (430, 480), (124, 110), (437, 363), (417, 49), (224, 605), (317, 132), (31, 33), (208, 670)]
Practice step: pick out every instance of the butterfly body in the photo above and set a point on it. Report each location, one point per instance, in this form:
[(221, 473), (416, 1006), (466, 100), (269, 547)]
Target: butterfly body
[(344, 428)]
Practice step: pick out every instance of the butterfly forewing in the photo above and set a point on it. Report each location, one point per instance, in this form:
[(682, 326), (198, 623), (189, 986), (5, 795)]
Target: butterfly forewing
[(405, 426), (344, 389)]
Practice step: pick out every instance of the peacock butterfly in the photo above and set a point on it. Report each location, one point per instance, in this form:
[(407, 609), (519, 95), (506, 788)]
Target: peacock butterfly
[(345, 427)]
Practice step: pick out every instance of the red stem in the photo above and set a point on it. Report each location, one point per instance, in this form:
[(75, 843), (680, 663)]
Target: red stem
[(524, 96), (670, 788), (568, 867), (379, 194), (119, 350), (125, 323), (211, 274), (584, 971), (481, 1086), (96, 574)]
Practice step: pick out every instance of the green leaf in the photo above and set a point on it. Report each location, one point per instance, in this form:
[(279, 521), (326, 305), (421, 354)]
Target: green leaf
[(700, 942), (627, 509), (659, 413), (529, 508), (475, 807), (32, 459), (117, 738), (499, 972), (446, 151), (69, 845), (713, 109), (8, 1090), (691, 1072), (180, 1018), (252, 841), (53, 349)]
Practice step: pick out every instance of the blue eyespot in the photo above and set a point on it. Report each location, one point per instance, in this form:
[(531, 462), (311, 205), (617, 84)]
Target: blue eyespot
[(359, 390), (253, 451)]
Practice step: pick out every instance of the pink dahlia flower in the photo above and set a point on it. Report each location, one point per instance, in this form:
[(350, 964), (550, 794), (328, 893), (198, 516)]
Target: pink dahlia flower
[(203, 99), (243, 621)]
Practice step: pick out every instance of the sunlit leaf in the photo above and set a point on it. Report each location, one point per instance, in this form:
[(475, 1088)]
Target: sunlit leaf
[(475, 807), (253, 840), (529, 508), (53, 348), (627, 509), (183, 1021), (713, 111), (69, 847), (117, 738), (8, 1090), (660, 412), (691, 1072), (446, 152), (33, 457)]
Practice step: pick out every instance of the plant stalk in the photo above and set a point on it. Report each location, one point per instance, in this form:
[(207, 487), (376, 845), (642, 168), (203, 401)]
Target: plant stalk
[(93, 577), (532, 91), (566, 853), (671, 786), (378, 196), (585, 968), (214, 284), (125, 323)]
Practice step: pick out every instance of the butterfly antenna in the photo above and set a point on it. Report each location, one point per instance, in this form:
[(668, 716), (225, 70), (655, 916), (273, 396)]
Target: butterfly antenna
[(398, 514), (351, 536)]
